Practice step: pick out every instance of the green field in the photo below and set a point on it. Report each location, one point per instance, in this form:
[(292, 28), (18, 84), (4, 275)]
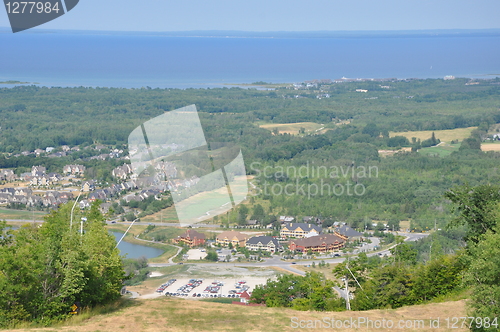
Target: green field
[(442, 150), (21, 214), (200, 207), (168, 215), (169, 232)]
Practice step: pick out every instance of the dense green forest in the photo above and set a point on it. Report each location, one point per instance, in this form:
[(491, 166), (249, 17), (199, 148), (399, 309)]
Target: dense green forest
[(406, 186), (36, 117), (337, 174)]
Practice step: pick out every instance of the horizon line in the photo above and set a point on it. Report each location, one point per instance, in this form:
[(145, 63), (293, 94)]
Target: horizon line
[(41, 30)]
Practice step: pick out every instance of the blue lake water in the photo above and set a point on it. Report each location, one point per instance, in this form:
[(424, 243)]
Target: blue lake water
[(130, 249), (120, 60), (135, 250)]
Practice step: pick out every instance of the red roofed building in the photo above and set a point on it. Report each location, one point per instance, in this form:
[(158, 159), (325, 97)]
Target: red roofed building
[(318, 243), (244, 297), (191, 238)]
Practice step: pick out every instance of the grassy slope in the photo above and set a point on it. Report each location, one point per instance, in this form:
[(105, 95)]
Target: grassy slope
[(167, 215), (165, 314)]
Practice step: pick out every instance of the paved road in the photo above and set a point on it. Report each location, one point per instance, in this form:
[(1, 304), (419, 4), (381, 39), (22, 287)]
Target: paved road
[(134, 295), (109, 222), (166, 224), (275, 261), (22, 220)]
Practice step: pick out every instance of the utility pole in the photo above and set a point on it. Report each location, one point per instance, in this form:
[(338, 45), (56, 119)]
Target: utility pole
[(346, 281), (71, 214), (347, 301), (81, 225), (430, 253)]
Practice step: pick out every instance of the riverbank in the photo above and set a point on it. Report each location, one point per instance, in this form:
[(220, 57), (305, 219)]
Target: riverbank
[(169, 250)]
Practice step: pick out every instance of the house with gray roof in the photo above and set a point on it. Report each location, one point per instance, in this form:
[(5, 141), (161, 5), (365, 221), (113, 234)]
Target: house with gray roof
[(264, 243), (346, 232)]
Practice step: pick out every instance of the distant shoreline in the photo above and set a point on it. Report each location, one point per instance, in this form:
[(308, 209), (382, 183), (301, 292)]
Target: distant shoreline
[(259, 85), (16, 82), (114, 59), (278, 34)]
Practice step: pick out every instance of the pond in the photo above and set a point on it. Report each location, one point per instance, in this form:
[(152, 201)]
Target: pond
[(10, 227), (136, 250), (130, 249)]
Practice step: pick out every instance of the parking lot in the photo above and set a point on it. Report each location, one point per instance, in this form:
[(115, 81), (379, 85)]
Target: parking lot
[(165, 281), (207, 288), (196, 254)]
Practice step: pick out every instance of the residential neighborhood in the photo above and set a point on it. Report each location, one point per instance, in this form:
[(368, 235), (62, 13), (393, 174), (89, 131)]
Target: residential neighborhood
[(44, 187)]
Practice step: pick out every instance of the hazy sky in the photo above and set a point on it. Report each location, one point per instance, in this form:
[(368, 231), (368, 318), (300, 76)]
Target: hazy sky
[(276, 15)]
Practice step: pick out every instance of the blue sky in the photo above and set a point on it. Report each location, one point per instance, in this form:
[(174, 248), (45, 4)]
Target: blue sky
[(276, 15)]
